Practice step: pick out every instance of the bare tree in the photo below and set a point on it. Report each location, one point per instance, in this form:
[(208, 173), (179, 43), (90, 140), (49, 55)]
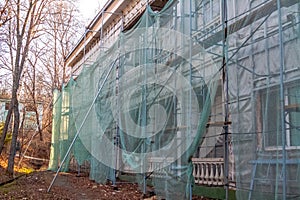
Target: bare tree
[(22, 28), (4, 12), (38, 35), (32, 86), (62, 33)]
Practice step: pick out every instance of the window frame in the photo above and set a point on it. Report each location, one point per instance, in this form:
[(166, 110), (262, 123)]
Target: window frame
[(207, 16), (289, 109)]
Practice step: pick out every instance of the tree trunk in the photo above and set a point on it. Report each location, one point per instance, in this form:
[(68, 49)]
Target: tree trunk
[(11, 159), (21, 130), (6, 125), (38, 122), (37, 116)]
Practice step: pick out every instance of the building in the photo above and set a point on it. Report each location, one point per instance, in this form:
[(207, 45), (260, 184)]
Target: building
[(222, 78), (27, 112)]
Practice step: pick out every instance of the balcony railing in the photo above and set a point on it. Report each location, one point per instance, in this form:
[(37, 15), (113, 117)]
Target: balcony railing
[(208, 171)]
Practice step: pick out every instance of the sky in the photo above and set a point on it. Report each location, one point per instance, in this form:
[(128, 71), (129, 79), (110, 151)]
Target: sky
[(89, 8)]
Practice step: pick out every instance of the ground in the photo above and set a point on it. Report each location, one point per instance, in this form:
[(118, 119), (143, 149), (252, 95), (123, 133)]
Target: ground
[(66, 186), (32, 180), (34, 185)]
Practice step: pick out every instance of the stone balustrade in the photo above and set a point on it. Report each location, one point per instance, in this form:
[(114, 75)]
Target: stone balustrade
[(208, 171)]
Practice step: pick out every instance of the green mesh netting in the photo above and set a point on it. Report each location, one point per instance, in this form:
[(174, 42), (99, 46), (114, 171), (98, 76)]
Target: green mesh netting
[(142, 107), (64, 130), (54, 151), (142, 104)]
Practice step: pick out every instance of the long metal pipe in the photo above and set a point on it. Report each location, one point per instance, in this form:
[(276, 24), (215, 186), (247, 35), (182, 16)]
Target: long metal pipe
[(190, 77), (282, 100), (226, 93)]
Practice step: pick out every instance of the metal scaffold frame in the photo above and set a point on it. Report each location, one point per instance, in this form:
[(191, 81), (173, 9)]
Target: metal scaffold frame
[(259, 13), (234, 38)]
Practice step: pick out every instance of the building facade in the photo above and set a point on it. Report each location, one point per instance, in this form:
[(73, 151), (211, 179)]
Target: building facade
[(232, 106)]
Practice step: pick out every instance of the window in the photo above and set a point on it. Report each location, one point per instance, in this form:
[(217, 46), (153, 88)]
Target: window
[(293, 116), (208, 11), (271, 123)]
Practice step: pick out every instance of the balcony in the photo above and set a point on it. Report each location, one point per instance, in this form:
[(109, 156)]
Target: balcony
[(208, 171)]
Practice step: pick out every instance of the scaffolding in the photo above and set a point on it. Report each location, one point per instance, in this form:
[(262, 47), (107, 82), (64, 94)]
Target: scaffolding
[(199, 79)]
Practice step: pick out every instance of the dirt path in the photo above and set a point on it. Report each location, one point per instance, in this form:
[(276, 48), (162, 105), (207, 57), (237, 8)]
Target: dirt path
[(67, 186)]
